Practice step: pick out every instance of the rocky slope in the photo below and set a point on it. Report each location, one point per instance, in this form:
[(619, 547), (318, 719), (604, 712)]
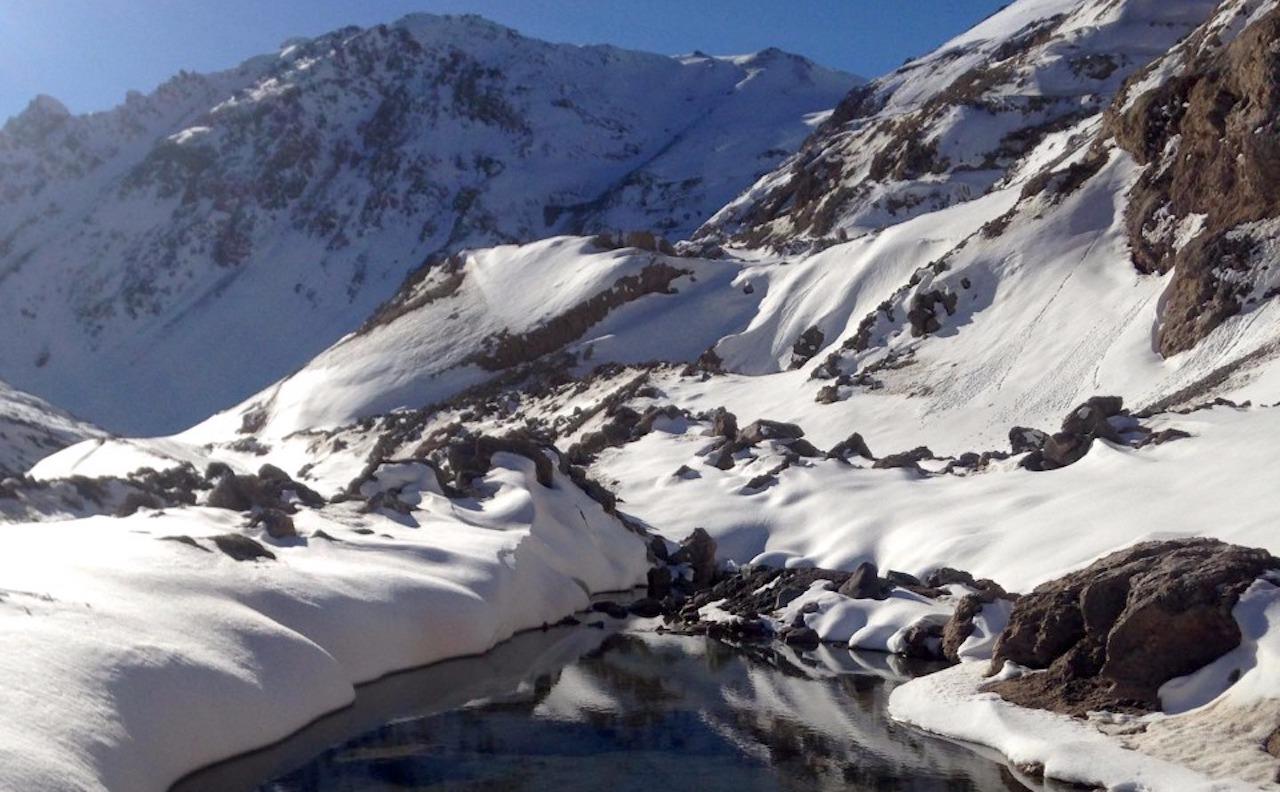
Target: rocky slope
[(1063, 352), (232, 225), (31, 429)]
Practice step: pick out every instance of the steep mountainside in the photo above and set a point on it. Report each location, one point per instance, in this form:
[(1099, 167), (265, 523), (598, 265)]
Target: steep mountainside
[(1010, 310), (957, 123), (233, 225)]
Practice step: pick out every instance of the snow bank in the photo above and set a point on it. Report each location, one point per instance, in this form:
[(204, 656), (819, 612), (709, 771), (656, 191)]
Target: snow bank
[(950, 703), (134, 660)]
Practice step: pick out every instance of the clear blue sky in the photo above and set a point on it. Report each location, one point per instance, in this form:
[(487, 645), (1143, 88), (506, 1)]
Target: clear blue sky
[(89, 52)]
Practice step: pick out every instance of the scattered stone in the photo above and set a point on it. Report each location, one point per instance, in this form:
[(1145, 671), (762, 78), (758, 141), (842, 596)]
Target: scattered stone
[(759, 431), (242, 548), (186, 540), (909, 460), (865, 583), (854, 445)]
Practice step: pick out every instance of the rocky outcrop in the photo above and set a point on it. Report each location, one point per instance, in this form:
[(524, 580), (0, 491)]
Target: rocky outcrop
[(1107, 637), (271, 488), (1208, 136)]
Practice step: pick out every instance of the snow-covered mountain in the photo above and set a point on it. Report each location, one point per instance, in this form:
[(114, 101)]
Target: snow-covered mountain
[(232, 225), (31, 429), (1009, 309)]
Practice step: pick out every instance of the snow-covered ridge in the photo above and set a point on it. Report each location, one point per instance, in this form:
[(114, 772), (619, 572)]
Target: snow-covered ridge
[(958, 122), (31, 429), (285, 199)]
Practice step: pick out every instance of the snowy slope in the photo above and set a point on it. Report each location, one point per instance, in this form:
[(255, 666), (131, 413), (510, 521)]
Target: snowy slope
[(235, 224), (1017, 289), (955, 124), (31, 429)]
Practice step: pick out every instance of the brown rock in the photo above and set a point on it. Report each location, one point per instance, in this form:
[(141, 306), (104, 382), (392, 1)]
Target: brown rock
[(1111, 634), (865, 583)]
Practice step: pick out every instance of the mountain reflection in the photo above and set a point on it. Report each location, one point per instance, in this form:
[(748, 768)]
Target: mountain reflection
[(644, 711)]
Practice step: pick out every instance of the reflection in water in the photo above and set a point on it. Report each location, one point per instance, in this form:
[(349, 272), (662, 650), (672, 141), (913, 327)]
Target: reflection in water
[(581, 710)]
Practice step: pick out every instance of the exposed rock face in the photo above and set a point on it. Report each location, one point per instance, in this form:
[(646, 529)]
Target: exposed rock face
[(1111, 634), (699, 552), (1210, 140)]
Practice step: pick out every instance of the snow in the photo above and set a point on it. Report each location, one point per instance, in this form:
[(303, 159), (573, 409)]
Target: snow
[(234, 225), (950, 703), (141, 660), (31, 429)]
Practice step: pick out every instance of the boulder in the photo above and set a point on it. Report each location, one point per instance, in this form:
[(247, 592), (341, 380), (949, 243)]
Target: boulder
[(801, 637), (854, 445), (275, 522), (1024, 440), (724, 424), (865, 583), (242, 548), (758, 431), (698, 550), (1110, 635)]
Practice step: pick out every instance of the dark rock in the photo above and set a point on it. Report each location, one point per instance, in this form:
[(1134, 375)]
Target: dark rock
[(138, 500), (686, 472), (760, 482), (1164, 436), (270, 472), (786, 596), (803, 448), (806, 346), (960, 626), (658, 547), (722, 458), (610, 608), (724, 424), (186, 540), (903, 579), (907, 459), (923, 641), (242, 548), (827, 394), (646, 608), (659, 582), (1023, 440), (276, 523), (801, 637), (853, 446), (698, 550), (865, 583), (1272, 743), (1111, 634), (759, 431), (568, 621)]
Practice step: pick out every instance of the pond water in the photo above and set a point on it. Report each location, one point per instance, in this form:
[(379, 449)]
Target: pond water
[(619, 710)]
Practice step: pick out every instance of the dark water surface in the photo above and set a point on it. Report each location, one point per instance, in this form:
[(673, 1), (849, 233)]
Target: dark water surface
[(583, 709)]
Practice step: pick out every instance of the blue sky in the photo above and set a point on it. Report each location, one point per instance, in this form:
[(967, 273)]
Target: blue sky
[(89, 52)]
